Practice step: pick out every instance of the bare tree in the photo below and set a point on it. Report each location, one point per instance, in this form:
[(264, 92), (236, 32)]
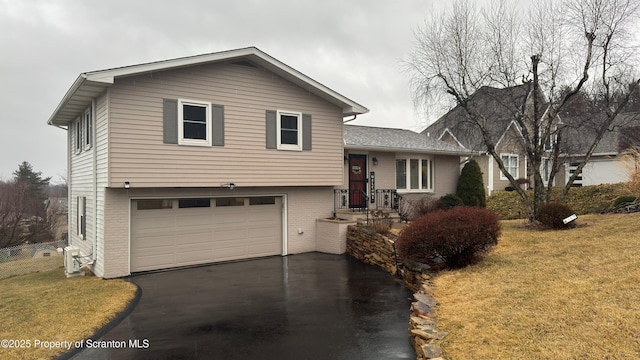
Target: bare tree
[(552, 51)]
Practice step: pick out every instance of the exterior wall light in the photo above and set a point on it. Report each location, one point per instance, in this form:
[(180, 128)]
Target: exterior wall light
[(127, 185), (375, 160)]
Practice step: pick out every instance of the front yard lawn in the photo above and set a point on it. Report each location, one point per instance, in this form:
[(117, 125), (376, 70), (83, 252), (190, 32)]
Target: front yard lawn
[(48, 307), (572, 294)]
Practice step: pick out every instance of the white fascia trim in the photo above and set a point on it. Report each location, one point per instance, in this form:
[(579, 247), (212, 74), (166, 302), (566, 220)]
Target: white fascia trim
[(67, 96), (592, 155), (446, 130), (518, 131), (108, 76), (405, 150)]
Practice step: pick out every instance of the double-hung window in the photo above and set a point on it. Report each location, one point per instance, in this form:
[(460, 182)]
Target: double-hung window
[(79, 133), (289, 130), (510, 162), (88, 126), (414, 174), (194, 123)]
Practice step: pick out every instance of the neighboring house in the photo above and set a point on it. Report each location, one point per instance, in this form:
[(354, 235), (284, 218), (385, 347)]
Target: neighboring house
[(606, 166), (499, 108), (216, 157), (380, 161)]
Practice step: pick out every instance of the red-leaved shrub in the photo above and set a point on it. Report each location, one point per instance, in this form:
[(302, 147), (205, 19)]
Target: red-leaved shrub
[(450, 238)]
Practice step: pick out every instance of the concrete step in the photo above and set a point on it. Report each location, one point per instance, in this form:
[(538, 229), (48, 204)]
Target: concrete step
[(361, 216)]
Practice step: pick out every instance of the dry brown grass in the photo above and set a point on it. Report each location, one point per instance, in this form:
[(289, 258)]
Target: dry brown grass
[(631, 162), (572, 294), (49, 307)]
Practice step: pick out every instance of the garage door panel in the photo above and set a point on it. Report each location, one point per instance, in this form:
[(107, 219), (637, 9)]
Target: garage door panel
[(261, 249), (231, 235), (157, 224), (151, 262), (201, 220), (154, 242), (194, 256), (225, 218), (233, 252), (186, 236)]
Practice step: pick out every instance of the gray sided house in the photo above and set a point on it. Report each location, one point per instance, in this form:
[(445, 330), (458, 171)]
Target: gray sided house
[(499, 108), (606, 165), (379, 161), (217, 157)]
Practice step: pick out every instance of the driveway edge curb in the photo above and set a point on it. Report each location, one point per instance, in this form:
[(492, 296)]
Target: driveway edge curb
[(110, 325)]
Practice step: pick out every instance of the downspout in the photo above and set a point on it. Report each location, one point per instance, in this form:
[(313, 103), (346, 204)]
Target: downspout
[(69, 182), (94, 146)]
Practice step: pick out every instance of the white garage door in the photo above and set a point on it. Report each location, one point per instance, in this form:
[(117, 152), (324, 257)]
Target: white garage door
[(168, 233)]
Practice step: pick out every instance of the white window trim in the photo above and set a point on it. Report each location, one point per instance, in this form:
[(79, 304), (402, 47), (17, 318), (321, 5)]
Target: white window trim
[(517, 174), (408, 159), (208, 123), (281, 146)]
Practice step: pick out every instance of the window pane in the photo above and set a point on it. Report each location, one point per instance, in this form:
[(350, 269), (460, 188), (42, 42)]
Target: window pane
[(262, 200), (87, 119), (194, 203), (194, 113), (154, 204), (288, 122), (401, 174), (414, 173), (431, 182), (195, 130), (230, 201), (289, 137), (425, 175)]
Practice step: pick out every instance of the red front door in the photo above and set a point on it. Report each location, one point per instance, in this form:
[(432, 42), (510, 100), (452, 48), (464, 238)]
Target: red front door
[(357, 181)]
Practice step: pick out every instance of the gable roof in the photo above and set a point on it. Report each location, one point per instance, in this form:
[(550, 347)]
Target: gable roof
[(388, 139), (91, 84), (498, 105)]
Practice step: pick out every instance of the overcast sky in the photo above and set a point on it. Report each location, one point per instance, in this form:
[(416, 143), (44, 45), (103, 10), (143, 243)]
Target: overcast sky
[(353, 47)]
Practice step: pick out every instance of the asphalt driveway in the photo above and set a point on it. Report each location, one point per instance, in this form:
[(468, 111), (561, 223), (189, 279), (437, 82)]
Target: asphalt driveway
[(308, 306)]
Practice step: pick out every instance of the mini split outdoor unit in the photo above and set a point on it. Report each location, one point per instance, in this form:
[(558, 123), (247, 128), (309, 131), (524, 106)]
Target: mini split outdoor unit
[(72, 261)]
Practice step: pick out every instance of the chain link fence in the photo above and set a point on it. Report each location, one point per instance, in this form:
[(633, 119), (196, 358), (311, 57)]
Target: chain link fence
[(29, 258)]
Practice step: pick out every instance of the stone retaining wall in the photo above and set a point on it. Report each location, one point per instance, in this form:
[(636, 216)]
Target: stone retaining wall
[(379, 250), (371, 248)]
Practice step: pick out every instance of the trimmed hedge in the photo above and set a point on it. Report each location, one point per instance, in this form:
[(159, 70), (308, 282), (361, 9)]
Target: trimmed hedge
[(552, 214), (450, 238), (470, 186), (583, 200)]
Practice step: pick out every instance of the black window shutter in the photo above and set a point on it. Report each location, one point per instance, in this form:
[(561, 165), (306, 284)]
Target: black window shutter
[(271, 129), (217, 125), (306, 132), (170, 121)]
